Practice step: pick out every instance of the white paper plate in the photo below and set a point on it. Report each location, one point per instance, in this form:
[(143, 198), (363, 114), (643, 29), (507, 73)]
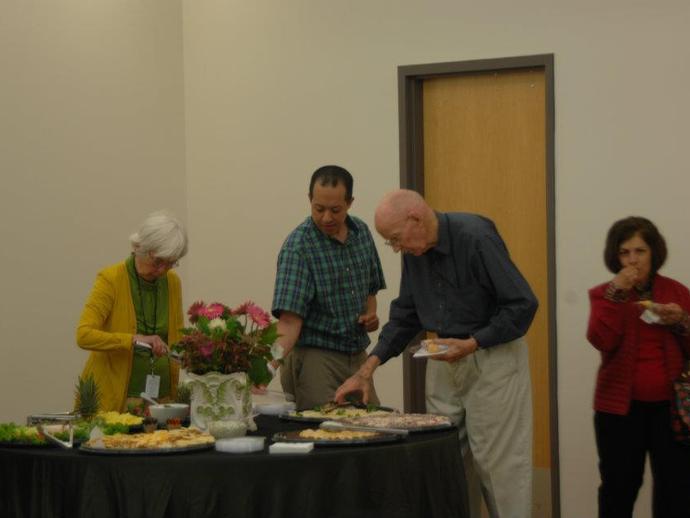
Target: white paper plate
[(240, 445), (423, 353), (274, 408)]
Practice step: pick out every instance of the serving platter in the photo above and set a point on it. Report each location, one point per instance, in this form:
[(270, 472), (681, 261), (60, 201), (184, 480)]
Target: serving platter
[(375, 438), (14, 436), (316, 416), (144, 451), (155, 443), (409, 422)]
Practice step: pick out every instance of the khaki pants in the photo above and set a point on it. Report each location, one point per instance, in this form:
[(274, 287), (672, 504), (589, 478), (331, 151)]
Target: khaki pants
[(488, 395), (313, 375)]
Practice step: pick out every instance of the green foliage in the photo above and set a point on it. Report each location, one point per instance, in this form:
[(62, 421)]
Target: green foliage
[(258, 372), (270, 335)]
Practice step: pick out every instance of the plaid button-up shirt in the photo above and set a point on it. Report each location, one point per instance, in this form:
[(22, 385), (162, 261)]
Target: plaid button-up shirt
[(327, 283)]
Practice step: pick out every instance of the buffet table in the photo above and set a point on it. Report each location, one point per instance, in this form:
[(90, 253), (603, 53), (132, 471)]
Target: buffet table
[(421, 475)]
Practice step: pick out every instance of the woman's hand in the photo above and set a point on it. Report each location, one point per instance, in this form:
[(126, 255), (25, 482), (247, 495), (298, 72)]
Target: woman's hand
[(670, 314), (158, 346), (626, 278)]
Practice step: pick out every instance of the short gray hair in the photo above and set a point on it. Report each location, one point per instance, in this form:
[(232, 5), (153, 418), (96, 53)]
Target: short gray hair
[(162, 235)]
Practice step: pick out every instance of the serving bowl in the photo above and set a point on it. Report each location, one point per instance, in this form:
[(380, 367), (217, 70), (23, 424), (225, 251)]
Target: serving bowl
[(165, 411)]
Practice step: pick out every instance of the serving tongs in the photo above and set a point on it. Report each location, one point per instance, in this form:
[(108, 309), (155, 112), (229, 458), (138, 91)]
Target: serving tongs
[(337, 426), (63, 417), (147, 347), (329, 407)]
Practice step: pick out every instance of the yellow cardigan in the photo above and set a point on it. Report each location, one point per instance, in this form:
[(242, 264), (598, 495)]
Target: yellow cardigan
[(106, 327)]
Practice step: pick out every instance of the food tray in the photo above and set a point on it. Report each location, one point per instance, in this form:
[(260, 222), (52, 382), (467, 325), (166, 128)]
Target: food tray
[(145, 451), (294, 436), (331, 416), (397, 422)]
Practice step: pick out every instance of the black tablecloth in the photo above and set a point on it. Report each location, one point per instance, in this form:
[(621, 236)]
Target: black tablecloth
[(421, 476)]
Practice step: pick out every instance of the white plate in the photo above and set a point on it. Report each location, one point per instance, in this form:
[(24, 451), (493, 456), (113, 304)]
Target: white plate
[(423, 353), (274, 408)]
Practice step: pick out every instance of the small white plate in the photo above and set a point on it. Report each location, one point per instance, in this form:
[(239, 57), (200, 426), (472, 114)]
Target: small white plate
[(274, 408), (423, 353)]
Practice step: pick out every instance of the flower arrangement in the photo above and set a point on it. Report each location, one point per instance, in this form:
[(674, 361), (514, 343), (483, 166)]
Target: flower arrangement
[(227, 340)]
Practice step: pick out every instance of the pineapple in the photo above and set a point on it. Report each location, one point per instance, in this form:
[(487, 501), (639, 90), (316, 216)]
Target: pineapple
[(184, 393), (88, 397)]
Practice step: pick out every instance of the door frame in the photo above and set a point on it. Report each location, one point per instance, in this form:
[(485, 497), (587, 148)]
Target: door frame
[(410, 110)]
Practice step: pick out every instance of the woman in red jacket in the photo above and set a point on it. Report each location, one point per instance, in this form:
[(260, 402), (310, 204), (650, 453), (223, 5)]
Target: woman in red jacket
[(639, 322)]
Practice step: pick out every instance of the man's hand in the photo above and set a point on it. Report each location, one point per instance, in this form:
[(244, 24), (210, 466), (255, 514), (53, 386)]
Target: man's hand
[(370, 321), (457, 349), (359, 382)]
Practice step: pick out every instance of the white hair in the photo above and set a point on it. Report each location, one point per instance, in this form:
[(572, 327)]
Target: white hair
[(162, 235)]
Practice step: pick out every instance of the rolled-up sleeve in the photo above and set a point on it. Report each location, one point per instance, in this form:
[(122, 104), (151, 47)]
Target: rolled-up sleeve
[(294, 286), (515, 304)]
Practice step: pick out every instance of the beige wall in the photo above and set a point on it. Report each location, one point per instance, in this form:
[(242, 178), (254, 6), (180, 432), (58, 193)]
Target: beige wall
[(93, 106), (91, 140)]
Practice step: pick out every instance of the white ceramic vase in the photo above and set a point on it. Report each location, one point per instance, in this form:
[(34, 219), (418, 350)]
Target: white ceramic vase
[(220, 397)]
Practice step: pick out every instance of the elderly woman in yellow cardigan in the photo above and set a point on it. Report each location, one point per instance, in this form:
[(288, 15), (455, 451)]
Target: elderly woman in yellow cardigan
[(133, 312)]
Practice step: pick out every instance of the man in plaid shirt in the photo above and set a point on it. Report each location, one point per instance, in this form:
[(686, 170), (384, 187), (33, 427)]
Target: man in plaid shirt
[(325, 293)]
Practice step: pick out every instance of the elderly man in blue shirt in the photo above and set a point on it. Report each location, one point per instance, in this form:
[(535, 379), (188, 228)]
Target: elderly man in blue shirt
[(325, 293), (459, 282)]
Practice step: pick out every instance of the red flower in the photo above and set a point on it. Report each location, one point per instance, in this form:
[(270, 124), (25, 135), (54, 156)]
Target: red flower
[(242, 308), (194, 311), (214, 310)]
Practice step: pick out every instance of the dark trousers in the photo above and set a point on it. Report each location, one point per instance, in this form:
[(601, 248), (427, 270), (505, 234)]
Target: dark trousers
[(623, 442)]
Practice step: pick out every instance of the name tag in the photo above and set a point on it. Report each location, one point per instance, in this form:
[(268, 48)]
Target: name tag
[(153, 385)]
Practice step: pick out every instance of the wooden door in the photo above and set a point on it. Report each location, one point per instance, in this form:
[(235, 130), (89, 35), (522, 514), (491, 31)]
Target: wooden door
[(478, 141), (484, 152)]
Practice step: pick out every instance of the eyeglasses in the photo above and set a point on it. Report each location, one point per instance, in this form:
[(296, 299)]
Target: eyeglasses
[(159, 263)]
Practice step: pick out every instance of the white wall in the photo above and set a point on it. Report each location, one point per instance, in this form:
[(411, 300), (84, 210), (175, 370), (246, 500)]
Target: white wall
[(275, 89), (91, 140), (97, 129)]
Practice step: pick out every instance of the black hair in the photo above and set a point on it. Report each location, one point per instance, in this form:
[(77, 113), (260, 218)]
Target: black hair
[(332, 175), (626, 228)]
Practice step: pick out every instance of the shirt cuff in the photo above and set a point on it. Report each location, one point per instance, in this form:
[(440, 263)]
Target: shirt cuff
[(616, 294)]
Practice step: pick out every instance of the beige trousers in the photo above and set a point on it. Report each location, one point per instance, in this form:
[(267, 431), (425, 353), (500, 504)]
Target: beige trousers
[(313, 375), (488, 395)]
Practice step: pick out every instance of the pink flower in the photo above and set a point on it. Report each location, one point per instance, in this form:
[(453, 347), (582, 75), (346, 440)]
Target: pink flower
[(195, 310), (214, 310), (242, 308), (260, 317)]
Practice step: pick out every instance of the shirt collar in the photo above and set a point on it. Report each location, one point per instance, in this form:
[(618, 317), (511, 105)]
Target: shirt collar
[(352, 229)]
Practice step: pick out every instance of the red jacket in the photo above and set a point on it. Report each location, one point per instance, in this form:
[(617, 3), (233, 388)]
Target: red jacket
[(613, 329)]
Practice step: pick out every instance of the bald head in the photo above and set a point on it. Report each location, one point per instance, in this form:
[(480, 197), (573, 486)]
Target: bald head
[(407, 222), (396, 206)]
